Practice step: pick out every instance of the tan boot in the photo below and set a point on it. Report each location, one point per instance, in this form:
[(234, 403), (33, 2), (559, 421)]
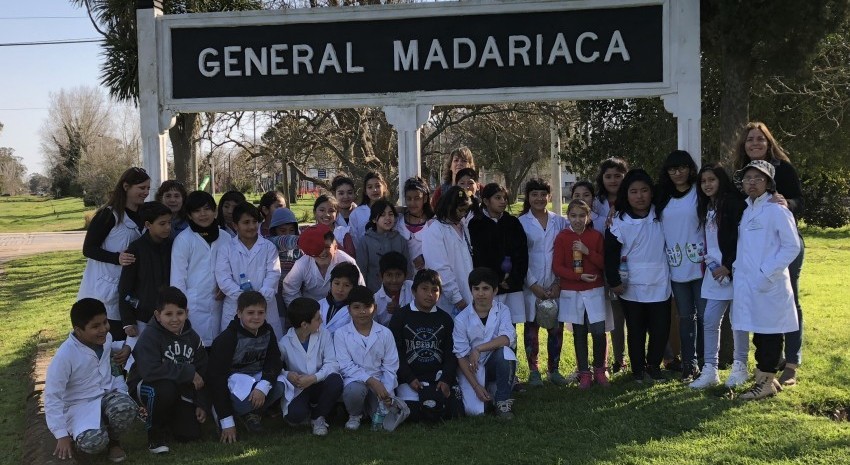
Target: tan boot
[(763, 387), (789, 375)]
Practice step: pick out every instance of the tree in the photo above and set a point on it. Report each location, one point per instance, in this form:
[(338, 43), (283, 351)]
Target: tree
[(12, 171), (39, 184)]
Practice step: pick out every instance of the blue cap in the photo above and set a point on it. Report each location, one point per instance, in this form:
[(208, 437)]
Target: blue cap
[(282, 216)]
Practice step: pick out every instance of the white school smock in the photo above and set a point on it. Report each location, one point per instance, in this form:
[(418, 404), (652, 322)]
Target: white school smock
[(100, 279), (414, 242), (319, 359), (382, 300), (340, 319), (572, 306), (305, 280), (711, 289), (767, 244), (643, 244), (357, 221), (541, 249), (76, 382), (684, 239), (261, 266), (193, 272), (449, 254), (601, 208), (469, 332), (361, 358)]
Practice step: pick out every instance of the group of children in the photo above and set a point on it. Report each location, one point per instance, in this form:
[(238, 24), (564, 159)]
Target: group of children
[(305, 317)]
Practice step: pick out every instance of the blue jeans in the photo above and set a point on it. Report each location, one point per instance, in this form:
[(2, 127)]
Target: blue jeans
[(242, 407), (714, 310), (794, 340), (691, 308), (500, 371)]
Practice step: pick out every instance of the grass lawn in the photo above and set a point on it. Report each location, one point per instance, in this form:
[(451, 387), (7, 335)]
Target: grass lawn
[(628, 423), (29, 213)]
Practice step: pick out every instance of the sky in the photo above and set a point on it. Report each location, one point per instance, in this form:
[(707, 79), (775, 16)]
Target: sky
[(28, 74)]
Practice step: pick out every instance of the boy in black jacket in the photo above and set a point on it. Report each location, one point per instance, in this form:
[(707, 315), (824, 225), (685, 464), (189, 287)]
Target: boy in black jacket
[(427, 366), (244, 365), (168, 374), (142, 280)]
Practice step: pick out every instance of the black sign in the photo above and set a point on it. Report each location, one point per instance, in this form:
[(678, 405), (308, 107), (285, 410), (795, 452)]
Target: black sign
[(504, 50)]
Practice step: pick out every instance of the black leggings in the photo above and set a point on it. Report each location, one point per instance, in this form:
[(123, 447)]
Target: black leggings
[(768, 351), (600, 344), (167, 409), (644, 318)]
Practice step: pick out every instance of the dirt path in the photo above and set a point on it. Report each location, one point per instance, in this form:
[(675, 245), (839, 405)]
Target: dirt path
[(17, 245)]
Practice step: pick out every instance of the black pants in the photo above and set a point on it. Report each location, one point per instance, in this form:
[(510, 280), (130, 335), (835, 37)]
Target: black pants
[(768, 351), (618, 335), (322, 395), (168, 409), (600, 344), (644, 318)]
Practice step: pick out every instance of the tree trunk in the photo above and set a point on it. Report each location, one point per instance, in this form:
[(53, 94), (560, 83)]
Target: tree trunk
[(183, 136), (737, 72)]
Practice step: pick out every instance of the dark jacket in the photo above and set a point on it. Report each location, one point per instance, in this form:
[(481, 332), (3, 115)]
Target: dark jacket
[(727, 232), (237, 350), (425, 345), (492, 241), (143, 279), (788, 184), (160, 354)]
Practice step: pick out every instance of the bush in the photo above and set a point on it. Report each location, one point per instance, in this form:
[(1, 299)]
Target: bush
[(827, 198)]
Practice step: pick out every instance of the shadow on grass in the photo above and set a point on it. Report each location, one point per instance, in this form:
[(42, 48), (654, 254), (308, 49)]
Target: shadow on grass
[(21, 218)]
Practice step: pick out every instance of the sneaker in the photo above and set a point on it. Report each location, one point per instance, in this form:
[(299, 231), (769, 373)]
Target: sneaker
[(600, 376), (116, 454), (557, 379), (504, 409), (764, 387), (640, 377), (707, 378), (353, 422), (673, 365), (534, 379), (655, 375), (689, 373), (158, 448), (585, 380), (789, 375), (739, 375), (619, 367), (253, 422), (320, 426)]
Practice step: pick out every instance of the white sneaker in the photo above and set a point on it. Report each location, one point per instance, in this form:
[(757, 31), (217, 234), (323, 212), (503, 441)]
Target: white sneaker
[(707, 378), (739, 375), (353, 422), (320, 426)]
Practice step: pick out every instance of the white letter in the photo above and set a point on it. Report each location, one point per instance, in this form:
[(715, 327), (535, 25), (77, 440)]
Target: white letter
[(208, 69), (277, 59), (298, 57), (408, 60), (349, 60), (539, 50), (228, 61), (560, 48), (491, 52), (617, 46), (261, 62), (472, 53), (579, 44), (513, 50), (329, 59), (435, 54)]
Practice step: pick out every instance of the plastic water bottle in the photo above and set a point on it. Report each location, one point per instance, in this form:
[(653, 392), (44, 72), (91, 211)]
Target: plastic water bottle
[(712, 265), (578, 262), (624, 269), (245, 283), (378, 416)]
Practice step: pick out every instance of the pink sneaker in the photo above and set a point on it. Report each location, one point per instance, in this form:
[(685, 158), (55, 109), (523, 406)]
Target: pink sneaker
[(600, 376), (585, 380)]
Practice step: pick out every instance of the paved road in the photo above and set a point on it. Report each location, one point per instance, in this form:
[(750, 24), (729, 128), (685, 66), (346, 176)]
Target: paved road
[(16, 245)]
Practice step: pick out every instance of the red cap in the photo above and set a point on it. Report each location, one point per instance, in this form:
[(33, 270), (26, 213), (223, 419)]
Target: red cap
[(312, 240)]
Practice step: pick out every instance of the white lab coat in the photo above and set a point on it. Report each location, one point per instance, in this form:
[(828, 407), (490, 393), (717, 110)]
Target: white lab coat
[(767, 244), (414, 241), (361, 358), (319, 359), (572, 306), (643, 244), (340, 318), (76, 382), (449, 254), (468, 333), (100, 279), (357, 221), (193, 272), (261, 266), (541, 250), (305, 280), (382, 300)]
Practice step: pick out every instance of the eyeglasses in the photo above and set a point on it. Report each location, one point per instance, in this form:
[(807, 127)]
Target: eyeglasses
[(677, 169), (755, 180)]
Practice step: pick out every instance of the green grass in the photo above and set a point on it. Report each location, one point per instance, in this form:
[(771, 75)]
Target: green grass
[(661, 424), (41, 214)]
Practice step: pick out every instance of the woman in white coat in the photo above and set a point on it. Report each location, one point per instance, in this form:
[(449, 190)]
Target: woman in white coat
[(111, 230), (193, 259), (541, 228), (764, 300), (254, 257), (447, 249)]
